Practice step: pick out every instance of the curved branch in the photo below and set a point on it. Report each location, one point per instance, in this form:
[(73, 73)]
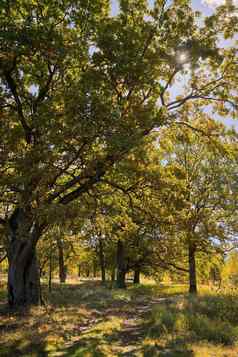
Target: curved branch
[(13, 88), (44, 90), (3, 258), (165, 265)]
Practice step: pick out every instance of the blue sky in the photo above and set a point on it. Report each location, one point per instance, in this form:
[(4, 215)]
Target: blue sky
[(206, 7), (197, 5)]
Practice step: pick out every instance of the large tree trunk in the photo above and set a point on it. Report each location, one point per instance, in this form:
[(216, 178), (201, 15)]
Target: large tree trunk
[(102, 261), (121, 266), (137, 276), (23, 270), (192, 268), (23, 275), (62, 267), (121, 279)]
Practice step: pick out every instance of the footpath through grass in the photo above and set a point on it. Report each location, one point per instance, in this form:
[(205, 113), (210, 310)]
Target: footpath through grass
[(86, 319)]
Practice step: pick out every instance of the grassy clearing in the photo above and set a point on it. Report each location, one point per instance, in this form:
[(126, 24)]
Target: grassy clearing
[(202, 326), (86, 319)]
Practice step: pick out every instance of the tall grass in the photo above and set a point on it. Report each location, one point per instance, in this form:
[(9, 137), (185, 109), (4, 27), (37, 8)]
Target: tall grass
[(88, 319), (192, 319)]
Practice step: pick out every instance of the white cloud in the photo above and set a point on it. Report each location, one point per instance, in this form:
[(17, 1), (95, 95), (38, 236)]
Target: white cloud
[(215, 3)]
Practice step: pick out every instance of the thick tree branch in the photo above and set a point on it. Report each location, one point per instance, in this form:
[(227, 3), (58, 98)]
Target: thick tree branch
[(166, 264), (178, 103), (64, 169), (173, 74), (2, 221), (201, 93), (44, 90), (3, 258), (119, 187), (228, 101), (200, 131), (82, 189), (89, 180), (13, 88)]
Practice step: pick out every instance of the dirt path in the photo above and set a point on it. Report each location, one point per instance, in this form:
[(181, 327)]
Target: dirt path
[(134, 327), (81, 320), (125, 340)]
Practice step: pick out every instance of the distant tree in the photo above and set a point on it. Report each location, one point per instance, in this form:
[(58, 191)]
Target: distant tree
[(201, 165), (230, 269)]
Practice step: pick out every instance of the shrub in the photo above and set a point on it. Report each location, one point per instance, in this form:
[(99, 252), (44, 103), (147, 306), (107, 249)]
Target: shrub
[(203, 328)]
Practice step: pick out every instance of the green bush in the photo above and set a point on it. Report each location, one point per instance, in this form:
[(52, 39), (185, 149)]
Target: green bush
[(163, 321), (203, 328), (224, 308), (211, 319)]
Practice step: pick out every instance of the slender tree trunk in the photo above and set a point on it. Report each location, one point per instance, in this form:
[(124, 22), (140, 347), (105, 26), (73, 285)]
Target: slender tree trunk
[(121, 266), (50, 269), (192, 268), (79, 271), (113, 274), (102, 261), (23, 270), (94, 269), (137, 276), (43, 267), (62, 267)]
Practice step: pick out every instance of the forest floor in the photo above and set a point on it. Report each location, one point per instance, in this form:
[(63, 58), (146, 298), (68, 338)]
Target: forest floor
[(84, 318)]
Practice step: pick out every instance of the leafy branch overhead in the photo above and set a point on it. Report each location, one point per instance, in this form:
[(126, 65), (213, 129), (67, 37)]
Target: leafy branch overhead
[(79, 92)]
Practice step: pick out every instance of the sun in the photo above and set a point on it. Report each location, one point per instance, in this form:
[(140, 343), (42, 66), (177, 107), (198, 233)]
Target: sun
[(182, 57)]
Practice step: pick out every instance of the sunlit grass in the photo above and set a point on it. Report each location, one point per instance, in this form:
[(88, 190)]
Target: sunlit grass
[(189, 322), (88, 319)]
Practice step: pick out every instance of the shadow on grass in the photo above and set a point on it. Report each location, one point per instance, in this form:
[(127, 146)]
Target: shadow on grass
[(108, 343), (126, 345), (16, 349), (89, 319)]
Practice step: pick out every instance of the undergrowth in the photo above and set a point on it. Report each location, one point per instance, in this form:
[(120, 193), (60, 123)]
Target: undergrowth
[(88, 319)]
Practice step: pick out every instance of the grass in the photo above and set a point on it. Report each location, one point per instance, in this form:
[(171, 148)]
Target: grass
[(86, 319)]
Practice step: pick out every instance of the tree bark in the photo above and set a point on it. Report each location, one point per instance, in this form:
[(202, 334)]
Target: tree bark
[(137, 276), (113, 274), (121, 266), (23, 270), (50, 268), (94, 268), (23, 275), (102, 261), (62, 267), (192, 268)]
